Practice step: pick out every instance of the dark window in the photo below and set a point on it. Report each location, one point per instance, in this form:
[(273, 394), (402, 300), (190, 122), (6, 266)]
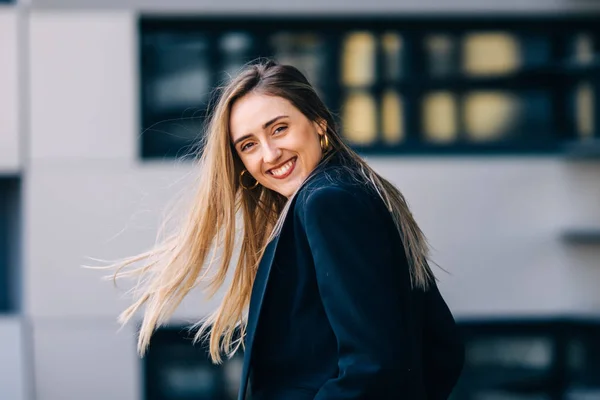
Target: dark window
[(9, 243), (530, 359), (504, 359), (174, 369), (398, 85)]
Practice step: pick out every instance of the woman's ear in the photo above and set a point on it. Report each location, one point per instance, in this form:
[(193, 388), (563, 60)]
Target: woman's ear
[(321, 126)]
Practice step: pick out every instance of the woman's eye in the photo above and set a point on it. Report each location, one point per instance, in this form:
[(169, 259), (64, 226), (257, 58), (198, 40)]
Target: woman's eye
[(247, 146), (280, 129)]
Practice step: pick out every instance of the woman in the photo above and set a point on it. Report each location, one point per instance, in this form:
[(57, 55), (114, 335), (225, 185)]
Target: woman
[(333, 273)]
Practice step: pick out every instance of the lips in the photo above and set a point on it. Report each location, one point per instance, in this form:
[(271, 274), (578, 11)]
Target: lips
[(284, 169)]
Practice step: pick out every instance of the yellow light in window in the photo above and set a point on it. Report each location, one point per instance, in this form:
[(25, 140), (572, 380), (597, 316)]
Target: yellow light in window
[(439, 117), (359, 118), (392, 117), (585, 110), (358, 60), (490, 115), (491, 54)]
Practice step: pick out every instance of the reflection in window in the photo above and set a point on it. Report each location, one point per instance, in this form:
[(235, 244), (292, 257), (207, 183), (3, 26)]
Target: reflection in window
[(392, 45), (490, 115), (584, 105), (392, 111), (441, 55), (359, 119), (305, 51), (576, 354), (584, 49), (185, 381), (236, 50), (181, 73), (358, 64), (525, 352), (488, 54), (178, 134), (439, 117), (232, 371)]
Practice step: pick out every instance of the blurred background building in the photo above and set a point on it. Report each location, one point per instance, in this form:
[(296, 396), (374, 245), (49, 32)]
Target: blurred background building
[(485, 114)]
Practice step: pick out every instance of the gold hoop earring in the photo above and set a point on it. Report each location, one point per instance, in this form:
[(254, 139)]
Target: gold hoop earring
[(242, 183), (324, 142)]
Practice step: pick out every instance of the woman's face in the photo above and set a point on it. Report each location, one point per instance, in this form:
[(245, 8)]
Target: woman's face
[(278, 145)]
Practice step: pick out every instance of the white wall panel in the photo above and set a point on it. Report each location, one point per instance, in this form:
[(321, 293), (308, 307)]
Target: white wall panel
[(83, 86), (9, 90), (14, 375), (85, 359), (494, 224)]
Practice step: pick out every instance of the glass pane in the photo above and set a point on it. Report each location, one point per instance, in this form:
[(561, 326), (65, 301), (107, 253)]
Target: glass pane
[(392, 111), (393, 64), (358, 59), (519, 352), (491, 115), (359, 118), (490, 54), (305, 51), (439, 117), (232, 371), (583, 352), (496, 115), (236, 50), (180, 380), (583, 50), (584, 108), (535, 50), (10, 243), (5, 234), (174, 136), (441, 55), (179, 73)]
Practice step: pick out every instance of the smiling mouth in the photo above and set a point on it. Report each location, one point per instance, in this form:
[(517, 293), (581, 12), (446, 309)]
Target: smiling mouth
[(284, 170)]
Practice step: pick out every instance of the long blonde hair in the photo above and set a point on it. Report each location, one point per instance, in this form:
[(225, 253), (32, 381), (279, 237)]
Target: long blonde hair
[(180, 261)]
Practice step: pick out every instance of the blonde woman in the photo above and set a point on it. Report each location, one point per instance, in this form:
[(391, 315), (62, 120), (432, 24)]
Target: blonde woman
[(332, 291)]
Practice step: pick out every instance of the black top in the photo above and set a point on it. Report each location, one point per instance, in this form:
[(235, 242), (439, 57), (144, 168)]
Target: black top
[(333, 315)]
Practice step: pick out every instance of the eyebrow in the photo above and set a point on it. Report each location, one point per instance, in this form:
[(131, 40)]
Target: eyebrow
[(265, 126)]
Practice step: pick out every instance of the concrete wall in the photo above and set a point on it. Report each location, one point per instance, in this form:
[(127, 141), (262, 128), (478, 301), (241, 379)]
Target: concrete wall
[(15, 380), (9, 91)]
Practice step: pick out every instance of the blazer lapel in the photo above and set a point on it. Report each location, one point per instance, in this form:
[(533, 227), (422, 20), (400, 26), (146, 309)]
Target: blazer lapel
[(258, 293), (256, 299)]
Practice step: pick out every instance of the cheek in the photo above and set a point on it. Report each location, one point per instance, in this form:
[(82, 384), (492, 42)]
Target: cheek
[(249, 162), (315, 144)]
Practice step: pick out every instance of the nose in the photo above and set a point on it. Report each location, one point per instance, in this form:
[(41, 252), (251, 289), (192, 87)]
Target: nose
[(271, 153)]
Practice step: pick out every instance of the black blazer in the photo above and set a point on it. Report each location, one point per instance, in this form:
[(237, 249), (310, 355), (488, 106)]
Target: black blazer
[(332, 313)]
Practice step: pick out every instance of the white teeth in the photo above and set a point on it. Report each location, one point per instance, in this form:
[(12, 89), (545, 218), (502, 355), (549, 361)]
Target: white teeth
[(283, 169)]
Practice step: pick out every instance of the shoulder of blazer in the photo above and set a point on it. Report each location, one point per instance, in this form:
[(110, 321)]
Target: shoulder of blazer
[(334, 181)]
